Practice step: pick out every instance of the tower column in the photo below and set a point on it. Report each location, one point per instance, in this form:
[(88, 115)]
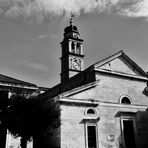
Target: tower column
[(72, 59)]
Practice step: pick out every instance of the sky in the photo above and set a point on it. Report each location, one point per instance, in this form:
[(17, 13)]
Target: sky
[(31, 32)]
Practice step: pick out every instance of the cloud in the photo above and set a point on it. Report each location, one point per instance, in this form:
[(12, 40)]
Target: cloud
[(131, 8), (40, 37), (41, 9), (43, 36), (38, 66), (34, 66)]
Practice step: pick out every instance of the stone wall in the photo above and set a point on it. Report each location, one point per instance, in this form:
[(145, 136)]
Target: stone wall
[(110, 111)]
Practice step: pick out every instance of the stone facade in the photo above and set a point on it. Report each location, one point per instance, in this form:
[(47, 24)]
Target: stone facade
[(111, 101), (103, 106)]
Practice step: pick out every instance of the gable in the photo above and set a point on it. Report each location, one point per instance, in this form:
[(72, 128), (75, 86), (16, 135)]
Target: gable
[(119, 65)]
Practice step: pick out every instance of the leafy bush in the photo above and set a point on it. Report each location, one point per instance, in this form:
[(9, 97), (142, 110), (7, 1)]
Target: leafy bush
[(33, 115)]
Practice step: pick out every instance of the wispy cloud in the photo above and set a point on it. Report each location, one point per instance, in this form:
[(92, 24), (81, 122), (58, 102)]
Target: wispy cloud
[(41, 9), (41, 37), (34, 66), (38, 66)]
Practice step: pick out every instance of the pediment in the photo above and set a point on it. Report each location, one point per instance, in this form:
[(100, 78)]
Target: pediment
[(120, 66), (120, 63)]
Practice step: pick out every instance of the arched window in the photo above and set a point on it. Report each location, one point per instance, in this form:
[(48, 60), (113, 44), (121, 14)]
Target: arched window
[(125, 100), (90, 111), (78, 48), (72, 47), (91, 128)]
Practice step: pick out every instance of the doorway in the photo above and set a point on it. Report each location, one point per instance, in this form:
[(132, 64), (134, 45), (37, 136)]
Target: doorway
[(128, 133)]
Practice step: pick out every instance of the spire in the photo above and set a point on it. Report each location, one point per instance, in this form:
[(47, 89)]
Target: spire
[(71, 29), (71, 19)]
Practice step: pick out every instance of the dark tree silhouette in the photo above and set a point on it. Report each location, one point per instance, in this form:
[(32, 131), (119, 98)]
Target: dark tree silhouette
[(31, 116)]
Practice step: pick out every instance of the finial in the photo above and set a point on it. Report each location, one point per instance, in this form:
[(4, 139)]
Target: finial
[(71, 19)]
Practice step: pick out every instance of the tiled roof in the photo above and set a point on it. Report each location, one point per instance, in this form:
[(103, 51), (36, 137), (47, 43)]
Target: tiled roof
[(9, 80)]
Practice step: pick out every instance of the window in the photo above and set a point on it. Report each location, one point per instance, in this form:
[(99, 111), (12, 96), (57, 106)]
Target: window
[(78, 50), (125, 100), (91, 119), (90, 111), (91, 135), (128, 131), (72, 47)]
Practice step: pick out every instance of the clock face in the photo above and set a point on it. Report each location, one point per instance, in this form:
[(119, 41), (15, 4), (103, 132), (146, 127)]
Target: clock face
[(75, 63)]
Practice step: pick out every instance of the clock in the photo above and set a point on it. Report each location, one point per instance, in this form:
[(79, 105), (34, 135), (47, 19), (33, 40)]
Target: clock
[(75, 63)]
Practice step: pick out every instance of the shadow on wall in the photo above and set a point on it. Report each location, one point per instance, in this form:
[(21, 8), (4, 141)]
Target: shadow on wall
[(141, 119), (134, 129)]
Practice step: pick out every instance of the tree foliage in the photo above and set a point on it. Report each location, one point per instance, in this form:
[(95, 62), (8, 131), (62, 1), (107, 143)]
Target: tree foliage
[(33, 115)]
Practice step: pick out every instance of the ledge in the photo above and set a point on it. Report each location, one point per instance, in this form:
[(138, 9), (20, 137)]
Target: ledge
[(79, 102), (121, 74), (92, 102), (91, 119)]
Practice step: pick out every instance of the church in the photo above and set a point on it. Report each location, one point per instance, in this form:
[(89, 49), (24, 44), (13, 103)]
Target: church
[(102, 106)]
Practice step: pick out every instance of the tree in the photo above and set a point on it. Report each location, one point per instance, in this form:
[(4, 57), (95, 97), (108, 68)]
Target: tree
[(28, 116)]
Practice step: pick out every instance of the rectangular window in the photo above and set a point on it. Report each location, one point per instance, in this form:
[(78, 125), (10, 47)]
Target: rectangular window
[(91, 136), (128, 133)]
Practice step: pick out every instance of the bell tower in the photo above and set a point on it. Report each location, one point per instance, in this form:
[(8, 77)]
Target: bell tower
[(72, 52)]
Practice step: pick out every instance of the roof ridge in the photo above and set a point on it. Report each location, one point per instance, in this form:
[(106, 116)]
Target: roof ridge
[(8, 79), (121, 51), (104, 59), (116, 55)]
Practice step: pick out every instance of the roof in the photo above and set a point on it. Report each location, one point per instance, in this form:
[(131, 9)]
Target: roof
[(88, 75), (10, 80), (109, 58), (116, 55), (44, 88)]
